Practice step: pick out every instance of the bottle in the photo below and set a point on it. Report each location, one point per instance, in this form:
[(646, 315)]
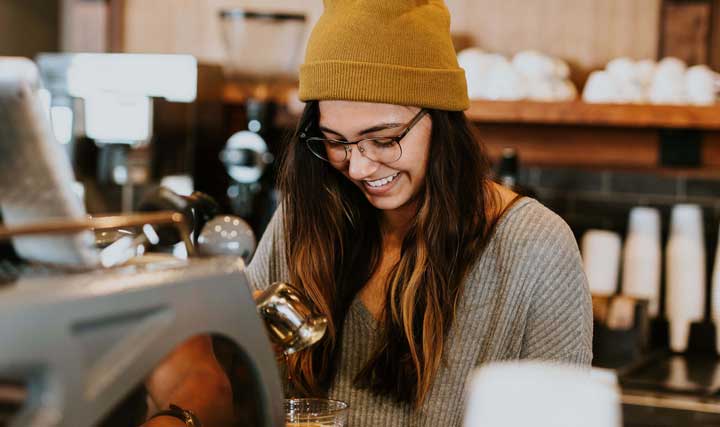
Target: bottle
[(508, 173)]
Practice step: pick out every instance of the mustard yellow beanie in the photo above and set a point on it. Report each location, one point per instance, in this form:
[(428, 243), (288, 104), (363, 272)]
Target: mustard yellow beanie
[(385, 51)]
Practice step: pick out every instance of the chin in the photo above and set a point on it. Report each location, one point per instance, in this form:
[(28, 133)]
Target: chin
[(387, 203)]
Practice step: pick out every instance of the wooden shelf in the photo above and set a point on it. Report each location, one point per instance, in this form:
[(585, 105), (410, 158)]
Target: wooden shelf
[(578, 113), (574, 113), (237, 93)]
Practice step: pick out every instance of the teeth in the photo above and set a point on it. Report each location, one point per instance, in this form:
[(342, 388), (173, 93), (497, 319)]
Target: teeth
[(382, 181)]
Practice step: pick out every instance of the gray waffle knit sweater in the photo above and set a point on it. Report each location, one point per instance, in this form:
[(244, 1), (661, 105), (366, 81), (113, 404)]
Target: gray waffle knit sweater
[(526, 298)]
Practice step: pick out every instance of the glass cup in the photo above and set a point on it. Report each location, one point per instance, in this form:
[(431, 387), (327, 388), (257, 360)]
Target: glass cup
[(315, 413), (289, 318)]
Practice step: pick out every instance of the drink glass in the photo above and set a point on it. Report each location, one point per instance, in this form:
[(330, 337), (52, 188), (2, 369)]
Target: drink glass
[(315, 413)]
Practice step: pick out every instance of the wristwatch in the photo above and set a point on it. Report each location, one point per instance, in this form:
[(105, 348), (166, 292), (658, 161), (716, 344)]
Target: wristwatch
[(185, 415)]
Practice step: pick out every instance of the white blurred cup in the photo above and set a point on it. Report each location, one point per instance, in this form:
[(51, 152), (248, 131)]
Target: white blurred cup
[(642, 258), (541, 394), (600, 88), (685, 273), (534, 64), (700, 85), (668, 85), (476, 63), (564, 90), (601, 260), (622, 69), (645, 71), (504, 83), (715, 311)]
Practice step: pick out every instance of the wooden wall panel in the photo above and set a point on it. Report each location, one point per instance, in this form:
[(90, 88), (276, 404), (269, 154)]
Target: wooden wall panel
[(588, 33), (193, 26), (715, 36), (85, 26), (574, 146), (28, 27), (594, 147), (686, 30)]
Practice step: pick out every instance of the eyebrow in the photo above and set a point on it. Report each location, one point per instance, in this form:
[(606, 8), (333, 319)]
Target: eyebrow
[(375, 128)]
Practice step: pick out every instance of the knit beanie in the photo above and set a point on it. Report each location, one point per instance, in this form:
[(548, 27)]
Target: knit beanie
[(385, 51)]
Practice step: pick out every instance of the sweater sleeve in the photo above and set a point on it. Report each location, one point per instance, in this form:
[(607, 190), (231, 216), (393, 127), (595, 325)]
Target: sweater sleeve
[(559, 324), (268, 264)]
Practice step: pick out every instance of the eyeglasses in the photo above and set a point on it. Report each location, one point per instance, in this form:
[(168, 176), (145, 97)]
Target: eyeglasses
[(386, 149)]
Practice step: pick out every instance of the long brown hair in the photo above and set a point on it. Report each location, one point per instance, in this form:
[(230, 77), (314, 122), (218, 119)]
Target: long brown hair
[(334, 245)]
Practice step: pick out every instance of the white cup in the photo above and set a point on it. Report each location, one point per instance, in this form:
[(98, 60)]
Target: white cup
[(601, 260), (642, 258), (645, 72), (475, 62), (668, 85), (621, 68), (504, 83), (600, 88), (541, 394), (700, 85), (534, 64), (684, 273), (715, 311)]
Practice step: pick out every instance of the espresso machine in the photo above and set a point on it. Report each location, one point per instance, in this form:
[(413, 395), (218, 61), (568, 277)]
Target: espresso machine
[(263, 54), (101, 109), (84, 316)]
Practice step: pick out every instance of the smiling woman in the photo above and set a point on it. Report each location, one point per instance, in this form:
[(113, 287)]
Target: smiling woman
[(391, 226)]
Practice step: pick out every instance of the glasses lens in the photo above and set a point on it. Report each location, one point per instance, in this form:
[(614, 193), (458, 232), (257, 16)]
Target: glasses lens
[(383, 150), (327, 150)]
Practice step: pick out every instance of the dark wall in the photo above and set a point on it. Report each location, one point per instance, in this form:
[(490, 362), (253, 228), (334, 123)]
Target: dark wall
[(28, 27)]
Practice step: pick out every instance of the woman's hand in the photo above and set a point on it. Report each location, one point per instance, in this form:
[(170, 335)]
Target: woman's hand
[(191, 378)]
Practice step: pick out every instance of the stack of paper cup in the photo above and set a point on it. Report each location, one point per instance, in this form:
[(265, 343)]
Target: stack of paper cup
[(531, 393), (642, 258), (716, 296), (601, 259), (685, 273)]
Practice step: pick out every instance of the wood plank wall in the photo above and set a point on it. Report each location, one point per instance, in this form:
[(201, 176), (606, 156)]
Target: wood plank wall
[(28, 27), (193, 26), (588, 33)]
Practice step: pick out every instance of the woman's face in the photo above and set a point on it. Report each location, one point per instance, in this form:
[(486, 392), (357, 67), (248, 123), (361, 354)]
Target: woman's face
[(387, 186)]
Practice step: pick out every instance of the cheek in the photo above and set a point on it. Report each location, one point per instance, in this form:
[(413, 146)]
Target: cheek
[(414, 161)]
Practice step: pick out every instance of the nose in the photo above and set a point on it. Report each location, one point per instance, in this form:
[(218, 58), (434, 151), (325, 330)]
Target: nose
[(360, 166)]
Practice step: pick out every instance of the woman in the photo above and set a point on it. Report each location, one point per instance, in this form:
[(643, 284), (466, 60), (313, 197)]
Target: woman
[(391, 226)]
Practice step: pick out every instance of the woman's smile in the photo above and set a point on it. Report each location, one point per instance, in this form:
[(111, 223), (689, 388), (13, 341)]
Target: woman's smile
[(382, 185)]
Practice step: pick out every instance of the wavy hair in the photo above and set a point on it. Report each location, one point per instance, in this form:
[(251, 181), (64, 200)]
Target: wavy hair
[(334, 245)]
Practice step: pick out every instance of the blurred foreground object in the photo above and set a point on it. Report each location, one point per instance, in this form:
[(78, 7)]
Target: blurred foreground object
[(520, 394)]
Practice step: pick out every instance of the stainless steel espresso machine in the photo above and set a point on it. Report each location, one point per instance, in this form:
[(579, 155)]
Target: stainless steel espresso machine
[(84, 319), (101, 108)]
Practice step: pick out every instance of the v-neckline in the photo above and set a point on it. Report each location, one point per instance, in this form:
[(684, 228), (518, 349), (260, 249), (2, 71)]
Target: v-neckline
[(364, 314)]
